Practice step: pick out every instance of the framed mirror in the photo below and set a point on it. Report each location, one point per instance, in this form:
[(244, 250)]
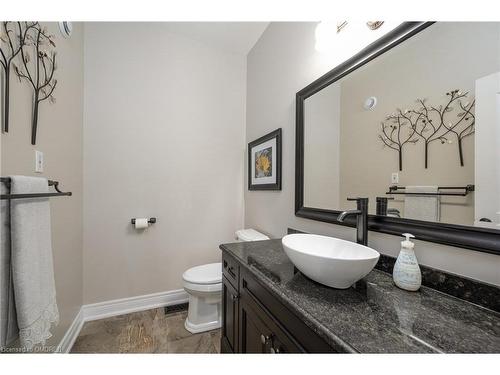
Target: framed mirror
[(413, 123)]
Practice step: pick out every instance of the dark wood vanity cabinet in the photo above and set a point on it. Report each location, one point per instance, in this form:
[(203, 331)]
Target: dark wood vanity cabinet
[(258, 333), (254, 321), (230, 304)]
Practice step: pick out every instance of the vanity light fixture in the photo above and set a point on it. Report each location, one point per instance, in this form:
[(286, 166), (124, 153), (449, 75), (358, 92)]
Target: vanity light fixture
[(370, 103), (66, 28), (374, 25), (344, 38), (341, 25)]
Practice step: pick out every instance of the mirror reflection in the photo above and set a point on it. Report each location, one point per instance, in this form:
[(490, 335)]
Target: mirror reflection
[(416, 130)]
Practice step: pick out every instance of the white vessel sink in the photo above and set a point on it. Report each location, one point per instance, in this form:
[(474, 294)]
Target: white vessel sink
[(330, 261)]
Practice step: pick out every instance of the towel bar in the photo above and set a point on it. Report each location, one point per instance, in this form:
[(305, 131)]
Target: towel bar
[(59, 193), (466, 190)]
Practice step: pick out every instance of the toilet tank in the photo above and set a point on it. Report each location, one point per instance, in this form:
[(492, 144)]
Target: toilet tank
[(250, 235)]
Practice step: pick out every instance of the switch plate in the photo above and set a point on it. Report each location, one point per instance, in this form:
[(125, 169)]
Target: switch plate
[(38, 161), (395, 178)]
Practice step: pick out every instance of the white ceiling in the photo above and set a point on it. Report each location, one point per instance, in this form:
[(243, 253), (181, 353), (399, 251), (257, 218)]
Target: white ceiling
[(236, 37)]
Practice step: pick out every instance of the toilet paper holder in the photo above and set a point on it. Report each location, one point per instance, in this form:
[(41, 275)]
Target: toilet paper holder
[(151, 220)]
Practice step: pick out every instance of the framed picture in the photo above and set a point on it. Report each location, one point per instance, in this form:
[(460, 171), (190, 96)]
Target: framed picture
[(264, 162)]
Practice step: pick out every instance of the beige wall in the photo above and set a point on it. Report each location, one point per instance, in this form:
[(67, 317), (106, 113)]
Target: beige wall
[(59, 137), (283, 62), (164, 137)]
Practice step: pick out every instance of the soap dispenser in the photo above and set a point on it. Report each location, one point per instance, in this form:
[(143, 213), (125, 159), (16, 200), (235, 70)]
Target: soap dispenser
[(406, 272)]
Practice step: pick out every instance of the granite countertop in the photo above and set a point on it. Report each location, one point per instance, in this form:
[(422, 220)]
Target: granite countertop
[(373, 316)]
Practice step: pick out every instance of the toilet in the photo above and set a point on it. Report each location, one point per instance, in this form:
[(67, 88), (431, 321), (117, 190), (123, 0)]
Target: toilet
[(204, 287)]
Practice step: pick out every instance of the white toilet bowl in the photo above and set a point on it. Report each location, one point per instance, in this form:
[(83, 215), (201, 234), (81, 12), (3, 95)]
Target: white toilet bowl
[(204, 286)]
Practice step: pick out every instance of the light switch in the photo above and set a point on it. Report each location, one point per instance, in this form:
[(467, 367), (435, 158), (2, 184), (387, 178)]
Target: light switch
[(38, 161), (395, 178)]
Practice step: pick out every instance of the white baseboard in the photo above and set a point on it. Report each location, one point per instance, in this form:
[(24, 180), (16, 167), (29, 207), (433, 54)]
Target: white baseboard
[(117, 307), (71, 334)]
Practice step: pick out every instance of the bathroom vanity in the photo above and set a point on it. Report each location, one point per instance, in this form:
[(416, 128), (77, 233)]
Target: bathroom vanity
[(413, 161), (270, 307)]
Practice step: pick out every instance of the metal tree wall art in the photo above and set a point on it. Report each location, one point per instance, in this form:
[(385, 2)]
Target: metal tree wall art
[(39, 70), (11, 42), (434, 125), (10, 47), (463, 126), (398, 130), (430, 124)]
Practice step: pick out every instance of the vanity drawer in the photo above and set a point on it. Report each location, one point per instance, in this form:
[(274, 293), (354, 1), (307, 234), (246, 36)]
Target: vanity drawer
[(231, 269)]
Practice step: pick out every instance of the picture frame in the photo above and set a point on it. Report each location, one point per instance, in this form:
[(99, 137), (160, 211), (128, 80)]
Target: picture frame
[(264, 162)]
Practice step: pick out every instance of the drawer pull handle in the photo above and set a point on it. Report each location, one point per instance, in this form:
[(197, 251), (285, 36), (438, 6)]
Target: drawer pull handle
[(274, 351), (231, 271), (234, 297), (264, 339)]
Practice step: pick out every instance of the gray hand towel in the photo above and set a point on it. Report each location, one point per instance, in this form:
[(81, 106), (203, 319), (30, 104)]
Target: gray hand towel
[(32, 268), (8, 319), (422, 207)]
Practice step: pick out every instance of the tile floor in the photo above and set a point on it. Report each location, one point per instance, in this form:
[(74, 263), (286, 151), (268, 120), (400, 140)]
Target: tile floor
[(150, 331)]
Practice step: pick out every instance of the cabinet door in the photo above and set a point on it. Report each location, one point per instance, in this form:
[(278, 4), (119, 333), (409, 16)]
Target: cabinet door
[(229, 337), (259, 333), (291, 333), (255, 336)]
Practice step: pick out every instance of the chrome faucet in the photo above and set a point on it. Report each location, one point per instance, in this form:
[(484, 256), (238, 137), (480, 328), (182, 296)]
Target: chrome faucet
[(361, 219)]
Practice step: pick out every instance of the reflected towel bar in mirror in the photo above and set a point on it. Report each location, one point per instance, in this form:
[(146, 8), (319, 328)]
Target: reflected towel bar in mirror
[(466, 190), (59, 193)]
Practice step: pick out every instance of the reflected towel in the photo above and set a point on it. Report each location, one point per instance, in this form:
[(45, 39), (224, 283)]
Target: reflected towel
[(422, 207), (8, 319), (32, 268)]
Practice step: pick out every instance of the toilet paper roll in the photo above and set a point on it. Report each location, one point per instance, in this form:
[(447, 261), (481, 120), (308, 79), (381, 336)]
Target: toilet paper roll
[(141, 223)]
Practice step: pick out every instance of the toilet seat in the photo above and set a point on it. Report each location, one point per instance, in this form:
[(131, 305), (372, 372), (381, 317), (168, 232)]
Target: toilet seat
[(207, 274), (208, 288)]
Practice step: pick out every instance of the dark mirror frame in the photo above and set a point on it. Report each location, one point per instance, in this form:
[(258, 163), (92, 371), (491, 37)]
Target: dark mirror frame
[(474, 238)]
